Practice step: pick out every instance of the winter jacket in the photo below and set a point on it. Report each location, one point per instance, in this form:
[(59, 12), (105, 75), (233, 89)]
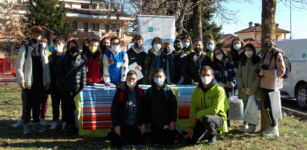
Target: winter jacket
[(71, 73), (53, 61), (211, 102), (137, 57), (120, 105), (224, 72), (235, 57), (161, 106), (94, 67), (248, 78), (150, 62), (24, 66), (191, 69), (115, 67), (177, 66), (272, 60)]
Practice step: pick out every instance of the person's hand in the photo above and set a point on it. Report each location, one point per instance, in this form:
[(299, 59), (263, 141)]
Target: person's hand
[(190, 134), (193, 119), (47, 87), (251, 93), (22, 85), (142, 128), (261, 72), (117, 130), (172, 126), (194, 82), (243, 90), (138, 68), (228, 85)]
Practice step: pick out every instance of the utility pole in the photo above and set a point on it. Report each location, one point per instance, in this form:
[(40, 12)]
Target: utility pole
[(290, 20)]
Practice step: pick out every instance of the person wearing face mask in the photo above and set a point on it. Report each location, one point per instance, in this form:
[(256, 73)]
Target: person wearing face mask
[(236, 51), (161, 109), (193, 62), (210, 46), (248, 81), (187, 46), (224, 70), (55, 93), (208, 109), (85, 46), (94, 59), (115, 64), (167, 51), (178, 56), (271, 62), (128, 112), (33, 77), (105, 44), (155, 59), (70, 74), (136, 54)]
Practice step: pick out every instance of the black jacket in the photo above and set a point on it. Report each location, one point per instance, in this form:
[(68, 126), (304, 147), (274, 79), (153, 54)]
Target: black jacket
[(53, 60), (177, 66), (71, 73), (191, 70), (119, 109), (161, 106), (150, 62)]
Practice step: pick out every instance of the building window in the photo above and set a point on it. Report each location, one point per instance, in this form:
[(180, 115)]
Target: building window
[(85, 26), (107, 28), (74, 26), (94, 6), (95, 26), (85, 6)]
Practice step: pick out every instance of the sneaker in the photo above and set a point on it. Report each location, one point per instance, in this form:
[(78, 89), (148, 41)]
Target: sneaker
[(18, 124), (212, 140), (54, 125), (251, 129), (64, 124), (37, 127), (243, 128), (26, 129), (271, 132), (43, 122)]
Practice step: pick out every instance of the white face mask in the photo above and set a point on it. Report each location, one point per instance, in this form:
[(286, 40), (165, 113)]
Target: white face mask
[(159, 81), (59, 49), (219, 57), (131, 84), (206, 80), (116, 48), (248, 54), (44, 45)]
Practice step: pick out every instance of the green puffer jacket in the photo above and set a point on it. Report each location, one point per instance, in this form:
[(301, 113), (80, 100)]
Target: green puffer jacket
[(247, 78), (212, 102)]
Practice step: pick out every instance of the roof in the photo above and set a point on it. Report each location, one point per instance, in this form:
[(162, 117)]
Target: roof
[(97, 14), (258, 29), (227, 40)]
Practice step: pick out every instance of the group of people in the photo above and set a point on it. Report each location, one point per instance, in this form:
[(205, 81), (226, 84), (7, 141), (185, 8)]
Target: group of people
[(63, 72)]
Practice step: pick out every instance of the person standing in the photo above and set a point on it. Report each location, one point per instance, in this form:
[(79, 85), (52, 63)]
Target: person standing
[(33, 77), (178, 57), (272, 68), (248, 81)]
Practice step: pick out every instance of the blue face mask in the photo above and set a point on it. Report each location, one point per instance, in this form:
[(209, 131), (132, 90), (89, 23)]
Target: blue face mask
[(157, 47), (159, 81), (186, 44), (237, 46), (210, 47)]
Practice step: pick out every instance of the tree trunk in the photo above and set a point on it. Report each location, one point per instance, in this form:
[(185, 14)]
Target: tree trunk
[(197, 24), (268, 29)]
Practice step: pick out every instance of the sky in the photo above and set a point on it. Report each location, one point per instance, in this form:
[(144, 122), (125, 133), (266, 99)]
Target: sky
[(250, 10)]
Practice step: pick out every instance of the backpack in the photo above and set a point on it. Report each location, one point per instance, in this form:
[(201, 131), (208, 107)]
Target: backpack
[(287, 64)]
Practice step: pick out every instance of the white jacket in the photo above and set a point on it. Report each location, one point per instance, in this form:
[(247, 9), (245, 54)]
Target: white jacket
[(24, 67)]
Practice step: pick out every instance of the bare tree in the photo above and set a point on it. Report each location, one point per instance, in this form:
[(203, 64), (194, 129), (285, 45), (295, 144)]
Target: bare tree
[(12, 27)]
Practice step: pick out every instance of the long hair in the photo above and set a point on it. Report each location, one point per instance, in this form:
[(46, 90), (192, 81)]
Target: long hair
[(234, 53), (255, 57)]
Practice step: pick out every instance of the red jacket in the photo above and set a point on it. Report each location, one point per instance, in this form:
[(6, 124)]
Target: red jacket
[(94, 73)]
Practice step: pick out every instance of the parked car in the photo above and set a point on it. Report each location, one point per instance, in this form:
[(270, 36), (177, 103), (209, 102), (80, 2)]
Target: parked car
[(295, 85)]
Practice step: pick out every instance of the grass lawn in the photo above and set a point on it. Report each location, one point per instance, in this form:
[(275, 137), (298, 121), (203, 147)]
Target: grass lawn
[(292, 130)]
